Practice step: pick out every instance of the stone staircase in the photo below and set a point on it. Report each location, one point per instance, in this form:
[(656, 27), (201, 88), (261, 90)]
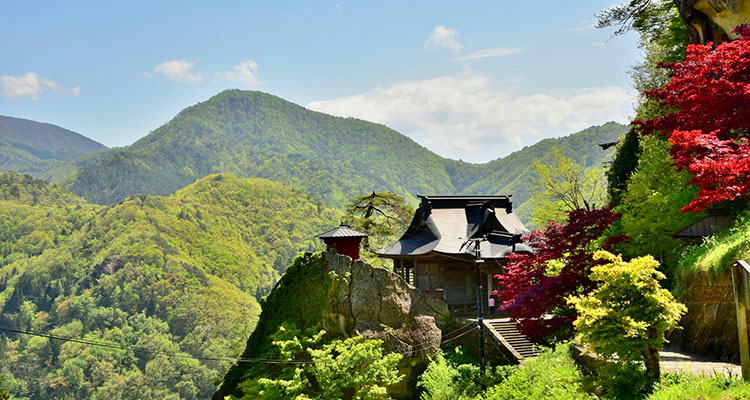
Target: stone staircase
[(504, 331)]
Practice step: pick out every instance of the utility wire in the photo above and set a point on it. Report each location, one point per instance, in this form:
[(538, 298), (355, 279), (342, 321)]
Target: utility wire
[(415, 349), (134, 348), (419, 347)]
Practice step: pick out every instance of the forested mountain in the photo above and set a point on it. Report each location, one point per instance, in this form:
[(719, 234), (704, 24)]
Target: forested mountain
[(34, 148), (516, 174), (184, 274), (254, 134), (159, 275)]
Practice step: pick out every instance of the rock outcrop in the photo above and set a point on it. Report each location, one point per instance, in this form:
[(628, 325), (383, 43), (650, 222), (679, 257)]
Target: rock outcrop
[(713, 20), (375, 303), (347, 298)]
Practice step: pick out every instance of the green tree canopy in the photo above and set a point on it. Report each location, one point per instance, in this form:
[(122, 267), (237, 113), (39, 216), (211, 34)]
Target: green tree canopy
[(628, 313), (565, 185), (354, 368), (651, 205), (382, 215)]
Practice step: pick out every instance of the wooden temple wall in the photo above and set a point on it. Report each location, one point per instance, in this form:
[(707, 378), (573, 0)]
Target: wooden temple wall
[(454, 282)]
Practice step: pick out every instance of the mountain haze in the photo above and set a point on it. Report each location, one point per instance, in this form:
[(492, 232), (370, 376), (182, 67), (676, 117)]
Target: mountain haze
[(35, 148), (254, 134)]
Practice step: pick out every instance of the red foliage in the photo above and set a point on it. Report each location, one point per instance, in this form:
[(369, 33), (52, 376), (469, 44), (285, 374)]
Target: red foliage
[(528, 294), (709, 131)]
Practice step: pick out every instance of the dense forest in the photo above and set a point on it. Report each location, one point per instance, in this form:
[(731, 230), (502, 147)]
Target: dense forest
[(157, 276)]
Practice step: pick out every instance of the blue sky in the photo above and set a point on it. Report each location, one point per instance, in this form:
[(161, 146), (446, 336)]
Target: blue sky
[(470, 80)]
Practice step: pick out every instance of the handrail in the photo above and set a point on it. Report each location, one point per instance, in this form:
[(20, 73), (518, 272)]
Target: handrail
[(741, 285), (502, 340), (743, 264)]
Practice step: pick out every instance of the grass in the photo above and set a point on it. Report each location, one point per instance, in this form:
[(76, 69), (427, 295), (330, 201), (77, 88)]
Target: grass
[(552, 375), (719, 387), (717, 253)]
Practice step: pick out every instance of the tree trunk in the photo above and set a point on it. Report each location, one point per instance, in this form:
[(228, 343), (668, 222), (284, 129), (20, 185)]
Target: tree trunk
[(651, 358)]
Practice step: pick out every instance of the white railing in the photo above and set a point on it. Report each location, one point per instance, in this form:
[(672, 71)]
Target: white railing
[(741, 285)]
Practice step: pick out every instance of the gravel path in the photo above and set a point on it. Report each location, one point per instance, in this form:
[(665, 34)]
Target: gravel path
[(696, 365)]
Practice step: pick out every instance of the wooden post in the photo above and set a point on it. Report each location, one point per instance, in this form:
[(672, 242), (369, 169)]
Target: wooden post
[(740, 271)]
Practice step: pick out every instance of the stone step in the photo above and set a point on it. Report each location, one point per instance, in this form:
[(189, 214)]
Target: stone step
[(519, 344)]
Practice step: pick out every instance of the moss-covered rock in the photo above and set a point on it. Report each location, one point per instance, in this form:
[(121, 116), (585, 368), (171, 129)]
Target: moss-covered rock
[(345, 298)]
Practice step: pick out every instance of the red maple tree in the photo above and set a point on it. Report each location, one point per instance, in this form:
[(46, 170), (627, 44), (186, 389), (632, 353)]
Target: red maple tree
[(534, 291), (709, 130)]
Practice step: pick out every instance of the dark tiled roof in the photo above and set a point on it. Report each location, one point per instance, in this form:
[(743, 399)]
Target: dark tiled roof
[(707, 226), (342, 231), (443, 224), (607, 145)]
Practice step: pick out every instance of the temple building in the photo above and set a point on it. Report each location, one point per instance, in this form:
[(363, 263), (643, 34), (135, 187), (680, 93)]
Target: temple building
[(437, 253)]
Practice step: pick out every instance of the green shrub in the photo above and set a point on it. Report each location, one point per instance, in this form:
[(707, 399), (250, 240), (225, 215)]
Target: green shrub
[(454, 375), (623, 381), (4, 395), (553, 375), (319, 368), (438, 380), (686, 387), (628, 312)]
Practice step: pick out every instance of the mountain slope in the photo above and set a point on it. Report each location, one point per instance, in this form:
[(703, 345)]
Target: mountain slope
[(33, 147), (167, 275), (516, 174), (253, 134)]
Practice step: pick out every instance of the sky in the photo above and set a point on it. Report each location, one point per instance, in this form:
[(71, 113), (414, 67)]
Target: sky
[(469, 80)]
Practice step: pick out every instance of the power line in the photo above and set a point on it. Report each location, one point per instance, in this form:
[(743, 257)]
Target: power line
[(415, 349), (134, 348), (420, 347)]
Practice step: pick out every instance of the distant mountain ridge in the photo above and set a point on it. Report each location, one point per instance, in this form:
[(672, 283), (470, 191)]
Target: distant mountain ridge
[(255, 134), (32, 147)]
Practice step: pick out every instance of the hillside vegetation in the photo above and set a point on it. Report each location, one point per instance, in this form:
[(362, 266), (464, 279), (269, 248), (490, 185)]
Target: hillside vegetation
[(160, 275), (254, 134), (32, 147)]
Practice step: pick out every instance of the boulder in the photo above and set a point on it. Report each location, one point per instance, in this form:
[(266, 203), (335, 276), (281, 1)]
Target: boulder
[(345, 298), (375, 303)]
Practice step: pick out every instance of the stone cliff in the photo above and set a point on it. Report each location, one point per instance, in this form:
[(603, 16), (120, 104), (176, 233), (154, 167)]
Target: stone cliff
[(347, 298), (713, 20)]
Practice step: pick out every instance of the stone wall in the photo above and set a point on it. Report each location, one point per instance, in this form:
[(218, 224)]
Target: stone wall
[(710, 325)]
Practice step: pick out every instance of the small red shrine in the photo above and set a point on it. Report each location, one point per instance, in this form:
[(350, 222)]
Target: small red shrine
[(343, 240)]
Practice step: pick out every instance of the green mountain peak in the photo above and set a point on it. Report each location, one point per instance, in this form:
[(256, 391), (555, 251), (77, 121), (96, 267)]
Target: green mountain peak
[(255, 134)]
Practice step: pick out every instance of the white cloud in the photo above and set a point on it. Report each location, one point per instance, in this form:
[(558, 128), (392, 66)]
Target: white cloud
[(32, 85), (179, 71), (444, 37), (245, 73), (585, 26), (488, 53), (338, 7), (468, 116)]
